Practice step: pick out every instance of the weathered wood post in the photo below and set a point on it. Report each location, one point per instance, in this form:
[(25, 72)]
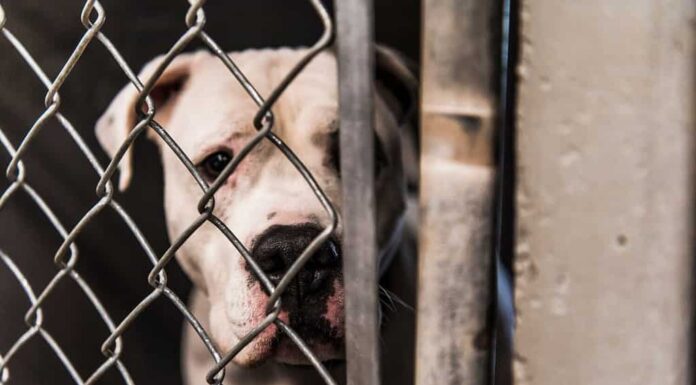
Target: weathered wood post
[(458, 116), (605, 201)]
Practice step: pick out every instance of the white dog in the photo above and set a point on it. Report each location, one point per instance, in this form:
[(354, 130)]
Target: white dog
[(268, 205)]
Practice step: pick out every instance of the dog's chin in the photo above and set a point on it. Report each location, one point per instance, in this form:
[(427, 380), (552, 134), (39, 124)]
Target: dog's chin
[(290, 354), (284, 351), (321, 331)]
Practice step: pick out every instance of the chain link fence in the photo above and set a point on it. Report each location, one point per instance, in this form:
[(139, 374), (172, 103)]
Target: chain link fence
[(66, 258)]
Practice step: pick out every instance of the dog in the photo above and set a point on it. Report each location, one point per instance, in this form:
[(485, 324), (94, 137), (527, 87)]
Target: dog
[(272, 210)]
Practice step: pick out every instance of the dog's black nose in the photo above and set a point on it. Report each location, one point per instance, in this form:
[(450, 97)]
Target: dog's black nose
[(277, 248)]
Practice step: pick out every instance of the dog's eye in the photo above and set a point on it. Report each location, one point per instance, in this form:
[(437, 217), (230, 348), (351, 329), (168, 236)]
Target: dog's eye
[(213, 165)]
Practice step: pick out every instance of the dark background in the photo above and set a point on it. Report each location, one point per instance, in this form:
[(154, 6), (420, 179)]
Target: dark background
[(110, 259)]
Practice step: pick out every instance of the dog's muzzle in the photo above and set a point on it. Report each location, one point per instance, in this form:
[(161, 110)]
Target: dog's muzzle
[(277, 248)]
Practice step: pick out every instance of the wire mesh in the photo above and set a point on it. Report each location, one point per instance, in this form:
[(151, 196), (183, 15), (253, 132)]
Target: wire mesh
[(66, 257)]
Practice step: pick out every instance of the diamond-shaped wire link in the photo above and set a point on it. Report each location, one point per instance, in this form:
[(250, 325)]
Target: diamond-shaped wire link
[(93, 17)]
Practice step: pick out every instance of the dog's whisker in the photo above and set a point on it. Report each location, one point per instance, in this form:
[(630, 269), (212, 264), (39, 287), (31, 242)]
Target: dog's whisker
[(388, 304), (384, 293), (395, 298)]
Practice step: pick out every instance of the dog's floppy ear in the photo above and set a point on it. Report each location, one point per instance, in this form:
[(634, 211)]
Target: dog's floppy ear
[(114, 126), (397, 82), (397, 85)]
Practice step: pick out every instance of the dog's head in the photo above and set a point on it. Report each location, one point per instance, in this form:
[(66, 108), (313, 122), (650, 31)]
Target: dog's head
[(265, 202)]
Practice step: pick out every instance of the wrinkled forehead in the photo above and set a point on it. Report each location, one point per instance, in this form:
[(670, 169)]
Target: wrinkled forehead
[(214, 106)]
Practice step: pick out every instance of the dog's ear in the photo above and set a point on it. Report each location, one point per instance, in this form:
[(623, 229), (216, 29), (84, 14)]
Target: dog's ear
[(397, 82), (114, 126), (398, 86)]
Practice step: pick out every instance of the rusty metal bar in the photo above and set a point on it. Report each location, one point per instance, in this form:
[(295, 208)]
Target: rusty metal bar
[(459, 70), (356, 72)]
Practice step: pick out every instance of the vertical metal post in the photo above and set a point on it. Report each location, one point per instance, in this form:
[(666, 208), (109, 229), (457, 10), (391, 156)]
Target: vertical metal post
[(356, 59), (605, 200), (458, 115)]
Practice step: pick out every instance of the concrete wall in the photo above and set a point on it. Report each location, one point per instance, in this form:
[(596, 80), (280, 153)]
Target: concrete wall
[(605, 235)]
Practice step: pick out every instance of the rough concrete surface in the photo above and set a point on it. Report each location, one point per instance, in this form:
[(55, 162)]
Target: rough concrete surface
[(606, 161)]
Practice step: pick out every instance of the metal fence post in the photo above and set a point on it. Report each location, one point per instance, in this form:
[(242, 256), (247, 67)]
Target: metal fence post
[(458, 116), (605, 200), (356, 58)]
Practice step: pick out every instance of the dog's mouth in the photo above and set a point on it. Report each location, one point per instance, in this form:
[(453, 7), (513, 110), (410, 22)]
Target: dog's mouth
[(320, 327), (318, 322), (312, 305)]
